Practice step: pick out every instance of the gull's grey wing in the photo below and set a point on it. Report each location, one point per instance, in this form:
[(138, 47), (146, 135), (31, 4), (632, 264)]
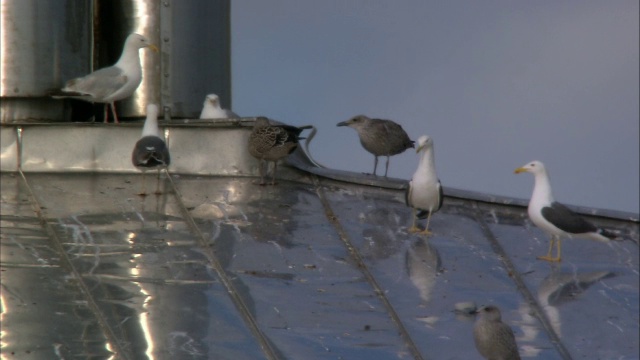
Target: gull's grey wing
[(440, 194), (230, 114), (407, 195), (99, 84), (566, 220)]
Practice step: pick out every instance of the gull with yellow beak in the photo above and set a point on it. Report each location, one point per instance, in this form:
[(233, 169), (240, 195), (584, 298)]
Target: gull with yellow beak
[(112, 83), (424, 194), (554, 218)]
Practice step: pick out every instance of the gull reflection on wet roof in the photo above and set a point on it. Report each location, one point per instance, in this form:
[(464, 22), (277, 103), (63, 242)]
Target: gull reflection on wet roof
[(315, 267)]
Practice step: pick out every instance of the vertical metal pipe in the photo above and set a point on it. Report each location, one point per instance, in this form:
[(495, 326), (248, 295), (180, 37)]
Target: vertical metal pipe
[(115, 20), (42, 44)]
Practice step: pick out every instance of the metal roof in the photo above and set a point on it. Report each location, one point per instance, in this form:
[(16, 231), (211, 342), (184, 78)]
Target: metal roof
[(319, 266)]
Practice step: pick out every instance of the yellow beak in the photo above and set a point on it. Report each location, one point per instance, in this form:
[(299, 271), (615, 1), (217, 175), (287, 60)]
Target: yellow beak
[(154, 48), (519, 170), (419, 148)]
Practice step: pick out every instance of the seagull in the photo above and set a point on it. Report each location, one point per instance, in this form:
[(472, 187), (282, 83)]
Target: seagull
[(112, 83), (494, 339), (271, 143), (424, 193), (554, 218), (211, 109), (150, 152), (379, 137)]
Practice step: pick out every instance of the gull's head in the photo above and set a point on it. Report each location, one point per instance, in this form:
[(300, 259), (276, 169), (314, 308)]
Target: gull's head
[(356, 122), (424, 142), (261, 121), (138, 41), (534, 167), (490, 313), (213, 100)]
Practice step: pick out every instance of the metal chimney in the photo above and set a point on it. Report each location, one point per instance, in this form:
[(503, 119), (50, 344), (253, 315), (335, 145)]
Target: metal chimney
[(43, 43), (47, 42)]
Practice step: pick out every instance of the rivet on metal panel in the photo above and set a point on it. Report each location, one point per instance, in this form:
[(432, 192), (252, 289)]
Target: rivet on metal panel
[(166, 39)]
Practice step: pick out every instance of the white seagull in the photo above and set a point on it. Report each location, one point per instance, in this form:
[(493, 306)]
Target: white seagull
[(112, 83), (424, 193), (150, 152), (554, 218), (211, 109)]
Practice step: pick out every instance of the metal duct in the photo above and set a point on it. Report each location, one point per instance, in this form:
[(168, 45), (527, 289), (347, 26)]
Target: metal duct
[(43, 43), (47, 42)]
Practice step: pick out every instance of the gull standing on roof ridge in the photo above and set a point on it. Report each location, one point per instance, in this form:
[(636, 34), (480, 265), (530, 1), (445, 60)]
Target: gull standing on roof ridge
[(554, 218), (150, 152), (494, 339), (379, 137), (424, 193), (211, 109), (111, 83), (270, 143)]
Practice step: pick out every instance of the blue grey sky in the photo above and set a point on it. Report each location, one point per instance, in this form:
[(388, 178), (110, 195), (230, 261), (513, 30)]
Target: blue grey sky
[(496, 84)]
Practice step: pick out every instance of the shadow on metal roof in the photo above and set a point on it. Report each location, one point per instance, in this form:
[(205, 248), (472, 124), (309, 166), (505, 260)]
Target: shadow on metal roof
[(319, 266)]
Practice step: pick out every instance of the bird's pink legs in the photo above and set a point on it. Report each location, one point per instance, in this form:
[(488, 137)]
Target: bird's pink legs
[(113, 111)]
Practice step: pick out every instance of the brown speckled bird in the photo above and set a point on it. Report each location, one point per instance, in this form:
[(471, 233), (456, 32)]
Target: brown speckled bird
[(494, 339), (271, 143), (379, 137)]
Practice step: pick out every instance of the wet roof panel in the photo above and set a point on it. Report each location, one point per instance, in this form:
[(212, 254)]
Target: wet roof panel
[(315, 267)]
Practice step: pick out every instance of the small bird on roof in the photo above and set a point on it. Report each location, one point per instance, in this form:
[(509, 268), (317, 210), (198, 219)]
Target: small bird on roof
[(211, 109), (424, 194), (554, 218), (379, 137), (494, 339), (112, 83), (269, 142), (150, 152)]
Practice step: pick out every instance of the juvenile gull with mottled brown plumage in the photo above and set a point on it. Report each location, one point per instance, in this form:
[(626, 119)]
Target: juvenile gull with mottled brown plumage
[(379, 137), (494, 339), (269, 142)]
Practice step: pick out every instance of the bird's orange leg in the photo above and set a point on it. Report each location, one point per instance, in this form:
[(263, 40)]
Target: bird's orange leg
[(548, 257), (414, 228), (426, 231)]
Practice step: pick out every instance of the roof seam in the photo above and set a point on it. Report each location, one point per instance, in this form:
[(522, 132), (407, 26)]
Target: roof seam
[(513, 273), (237, 300), (84, 289), (355, 255)]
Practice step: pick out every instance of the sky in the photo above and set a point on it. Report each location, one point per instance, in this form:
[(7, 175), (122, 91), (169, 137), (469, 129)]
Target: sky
[(496, 84)]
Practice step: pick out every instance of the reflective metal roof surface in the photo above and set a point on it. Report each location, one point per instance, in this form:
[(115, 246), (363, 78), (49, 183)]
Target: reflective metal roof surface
[(319, 266)]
